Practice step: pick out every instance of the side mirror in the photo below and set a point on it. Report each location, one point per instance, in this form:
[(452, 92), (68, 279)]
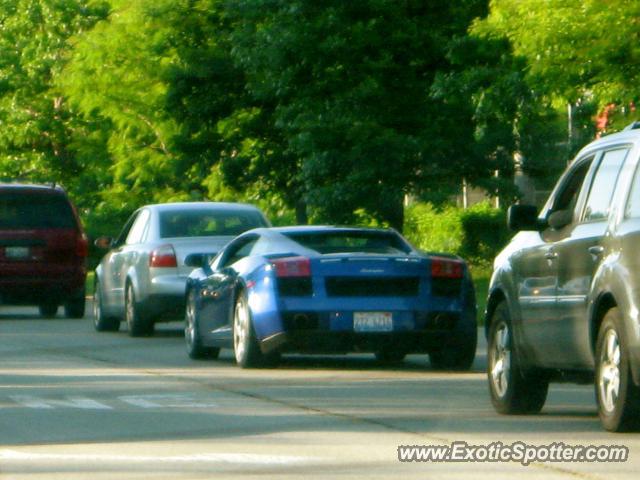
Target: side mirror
[(523, 217), (104, 243), (560, 219)]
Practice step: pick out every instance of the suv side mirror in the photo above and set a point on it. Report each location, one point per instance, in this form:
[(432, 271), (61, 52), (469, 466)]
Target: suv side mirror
[(523, 217)]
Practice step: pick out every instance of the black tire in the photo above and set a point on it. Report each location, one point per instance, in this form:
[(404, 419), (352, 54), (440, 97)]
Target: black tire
[(390, 356), (618, 398), (458, 356), (101, 322), (245, 344), (195, 349), (513, 391), (48, 310), (139, 325), (74, 308)]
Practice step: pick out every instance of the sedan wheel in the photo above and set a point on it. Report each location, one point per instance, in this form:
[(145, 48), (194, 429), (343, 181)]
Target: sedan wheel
[(245, 345), (100, 322), (192, 331), (137, 323), (512, 389), (617, 396)]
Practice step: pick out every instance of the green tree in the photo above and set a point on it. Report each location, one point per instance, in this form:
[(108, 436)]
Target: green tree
[(347, 86), (40, 137), (583, 52)]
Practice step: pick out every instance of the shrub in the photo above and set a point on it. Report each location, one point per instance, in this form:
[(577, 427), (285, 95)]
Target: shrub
[(476, 234)]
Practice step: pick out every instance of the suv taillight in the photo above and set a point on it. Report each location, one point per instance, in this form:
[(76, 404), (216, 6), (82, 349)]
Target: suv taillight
[(446, 268), (292, 267), (163, 257), (82, 246)]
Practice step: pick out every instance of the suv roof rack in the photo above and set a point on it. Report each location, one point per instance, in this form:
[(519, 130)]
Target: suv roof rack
[(632, 126)]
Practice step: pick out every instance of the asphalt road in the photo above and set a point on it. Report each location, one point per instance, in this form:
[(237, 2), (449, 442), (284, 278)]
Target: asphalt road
[(77, 404)]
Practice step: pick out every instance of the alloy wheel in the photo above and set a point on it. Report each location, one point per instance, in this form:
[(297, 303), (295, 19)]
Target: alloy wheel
[(240, 329), (501, 360), (130, 311), (97, 309), (609, 372), (190, 323)]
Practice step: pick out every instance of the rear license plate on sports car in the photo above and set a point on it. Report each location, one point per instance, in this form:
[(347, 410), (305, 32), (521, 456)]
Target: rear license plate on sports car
[(16, 253), (372, 322)]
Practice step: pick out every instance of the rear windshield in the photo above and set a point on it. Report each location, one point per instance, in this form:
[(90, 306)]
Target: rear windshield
[(351, 242), (35, 210), (208, 223)]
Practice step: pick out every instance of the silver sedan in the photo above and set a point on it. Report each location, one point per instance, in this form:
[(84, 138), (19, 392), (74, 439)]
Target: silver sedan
[(142, 278)]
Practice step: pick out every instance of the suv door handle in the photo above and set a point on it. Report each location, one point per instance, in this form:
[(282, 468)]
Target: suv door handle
[(551, 255), (596, 250)]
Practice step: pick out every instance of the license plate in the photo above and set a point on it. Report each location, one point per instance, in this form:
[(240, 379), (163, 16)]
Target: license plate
[(372, 322), (16, 253)]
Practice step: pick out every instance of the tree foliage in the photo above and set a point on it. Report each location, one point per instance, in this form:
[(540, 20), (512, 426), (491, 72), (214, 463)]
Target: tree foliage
[(38, 131), (347, 86), (584, 51), (330, 109)]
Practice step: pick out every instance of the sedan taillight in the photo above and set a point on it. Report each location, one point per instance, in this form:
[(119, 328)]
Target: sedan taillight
[(163, 257), (292, 267)]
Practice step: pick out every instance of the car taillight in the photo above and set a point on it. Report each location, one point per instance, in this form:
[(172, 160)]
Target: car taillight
[(446, 268), (163, 257), (82, 246), (292, 267)]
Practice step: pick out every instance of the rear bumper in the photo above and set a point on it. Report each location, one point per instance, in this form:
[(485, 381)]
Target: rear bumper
[(169, 285), (163, 307), (41, 289), (413, 332), (345, 342)]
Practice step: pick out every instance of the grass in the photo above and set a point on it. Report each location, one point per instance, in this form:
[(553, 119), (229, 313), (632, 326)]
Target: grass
[(481, 275), (88, 284)]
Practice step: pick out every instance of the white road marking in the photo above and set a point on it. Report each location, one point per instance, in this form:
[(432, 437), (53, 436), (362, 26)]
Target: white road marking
[(174, 401), (230, 458), (31, 401), (165, 400)]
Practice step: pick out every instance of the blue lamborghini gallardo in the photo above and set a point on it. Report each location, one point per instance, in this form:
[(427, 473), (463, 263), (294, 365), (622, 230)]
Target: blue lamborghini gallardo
[(330, 290)]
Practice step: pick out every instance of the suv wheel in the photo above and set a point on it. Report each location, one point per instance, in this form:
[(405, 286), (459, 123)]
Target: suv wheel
[(48, 310), (101, 322), (138, 324), (74, 308), (512, 390), (195, 349), (617, 396)]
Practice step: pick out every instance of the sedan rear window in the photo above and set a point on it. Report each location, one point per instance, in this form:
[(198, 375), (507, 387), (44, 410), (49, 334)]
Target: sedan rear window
[(351, 242), (207, 223), (35, 210)]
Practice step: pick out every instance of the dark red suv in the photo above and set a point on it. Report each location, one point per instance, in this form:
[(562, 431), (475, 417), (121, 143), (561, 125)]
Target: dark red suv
[(42, 250)]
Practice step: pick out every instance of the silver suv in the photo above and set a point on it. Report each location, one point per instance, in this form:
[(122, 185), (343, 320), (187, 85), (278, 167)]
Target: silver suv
[(564, 298)]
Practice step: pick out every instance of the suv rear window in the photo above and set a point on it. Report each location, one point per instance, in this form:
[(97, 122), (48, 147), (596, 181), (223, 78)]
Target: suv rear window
[(35, 210), (207, 223)]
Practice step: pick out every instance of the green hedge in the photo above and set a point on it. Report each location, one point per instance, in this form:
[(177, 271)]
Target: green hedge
[(477, 234)]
